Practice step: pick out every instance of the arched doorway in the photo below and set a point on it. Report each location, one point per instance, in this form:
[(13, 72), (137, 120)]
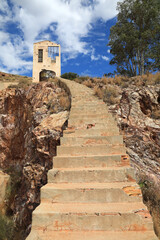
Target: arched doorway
[(46, 75)]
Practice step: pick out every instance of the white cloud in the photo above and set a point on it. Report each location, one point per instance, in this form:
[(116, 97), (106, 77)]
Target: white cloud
[(67, 20), (105, 58), (105, 9), (11, 54), (94, 57), (97, 57)]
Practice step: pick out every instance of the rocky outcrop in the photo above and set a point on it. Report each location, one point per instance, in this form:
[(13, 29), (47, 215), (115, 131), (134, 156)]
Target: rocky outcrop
[(138, 118), (31, 123)]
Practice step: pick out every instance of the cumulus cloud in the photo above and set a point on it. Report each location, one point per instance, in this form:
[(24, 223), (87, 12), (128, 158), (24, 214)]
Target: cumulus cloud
[(63, 21)]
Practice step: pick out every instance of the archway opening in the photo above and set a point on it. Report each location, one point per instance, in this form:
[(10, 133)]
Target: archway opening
[(46, 75)]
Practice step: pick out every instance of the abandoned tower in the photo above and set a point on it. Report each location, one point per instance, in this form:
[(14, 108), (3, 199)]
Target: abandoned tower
[(46, 60)]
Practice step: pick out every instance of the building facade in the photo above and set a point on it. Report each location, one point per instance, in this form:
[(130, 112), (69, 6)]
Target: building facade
[(46, 60)]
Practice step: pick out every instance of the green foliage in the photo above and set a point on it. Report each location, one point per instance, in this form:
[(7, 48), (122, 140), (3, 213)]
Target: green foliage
[(13, 187), (135, 38), (6, 228), (70, 75), (12, 86)]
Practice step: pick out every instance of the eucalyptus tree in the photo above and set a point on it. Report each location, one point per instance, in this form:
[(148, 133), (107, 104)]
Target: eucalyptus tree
[(134, 39)]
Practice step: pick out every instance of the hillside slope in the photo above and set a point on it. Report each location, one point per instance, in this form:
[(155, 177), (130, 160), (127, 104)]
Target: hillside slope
[(7, 79)]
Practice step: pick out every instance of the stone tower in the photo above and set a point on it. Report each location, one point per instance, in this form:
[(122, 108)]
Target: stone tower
[(46, 58)]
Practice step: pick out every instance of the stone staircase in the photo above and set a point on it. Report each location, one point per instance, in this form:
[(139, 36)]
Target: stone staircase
[(91, 192)]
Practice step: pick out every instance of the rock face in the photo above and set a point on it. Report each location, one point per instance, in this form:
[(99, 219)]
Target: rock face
[(137, 115), (31, 123)]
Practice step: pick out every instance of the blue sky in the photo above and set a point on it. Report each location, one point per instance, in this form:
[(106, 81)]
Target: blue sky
[(81, 27)]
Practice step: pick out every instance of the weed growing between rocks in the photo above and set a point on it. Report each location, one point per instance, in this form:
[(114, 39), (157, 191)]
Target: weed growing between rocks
[(6, 228)]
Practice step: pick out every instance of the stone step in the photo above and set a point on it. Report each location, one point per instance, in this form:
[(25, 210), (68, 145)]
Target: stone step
[(107, 122), (87, 102), (93, 106), (88, 111), (110, 128), (91, 192), (90, 116), (75, 175), (73, 132), (91, 161), (92, 216), (91, 150), (72, 141), (41, 234), (81, 109)]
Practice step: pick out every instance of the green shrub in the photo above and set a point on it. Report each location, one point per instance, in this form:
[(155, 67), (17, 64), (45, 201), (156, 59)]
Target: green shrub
[(70, 75), (12, 187), (82, 78), (12, 86), (6, 228)]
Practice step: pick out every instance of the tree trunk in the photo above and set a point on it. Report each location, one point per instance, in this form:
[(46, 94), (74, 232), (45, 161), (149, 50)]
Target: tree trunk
[(142, 63)]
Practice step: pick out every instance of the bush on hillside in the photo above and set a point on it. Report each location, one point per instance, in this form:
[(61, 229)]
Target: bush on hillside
[(110, 95), (70, 75)]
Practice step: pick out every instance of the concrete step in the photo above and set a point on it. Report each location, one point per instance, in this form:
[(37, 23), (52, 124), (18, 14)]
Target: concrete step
[(88, 111), (75, 175), (88, 102), (110, 128), (90, 150), (107, 121), (88, 106), (42, 234), (92, 216), (91, 192), (90, 116), (73, 132), (91, 161), (72, 141)]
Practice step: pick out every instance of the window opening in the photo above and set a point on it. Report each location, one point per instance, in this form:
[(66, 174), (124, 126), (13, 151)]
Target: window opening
[(40, 55), (53, 52)]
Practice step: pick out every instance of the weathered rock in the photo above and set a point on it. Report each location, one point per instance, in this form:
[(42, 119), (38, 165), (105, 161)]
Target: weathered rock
[(136, 116), (31, 123)]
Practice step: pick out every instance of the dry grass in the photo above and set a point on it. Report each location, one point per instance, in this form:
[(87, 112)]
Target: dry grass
[(156, 114), (109, 94), (6, 77), (65, 102), (88, 83), (98, 92)]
